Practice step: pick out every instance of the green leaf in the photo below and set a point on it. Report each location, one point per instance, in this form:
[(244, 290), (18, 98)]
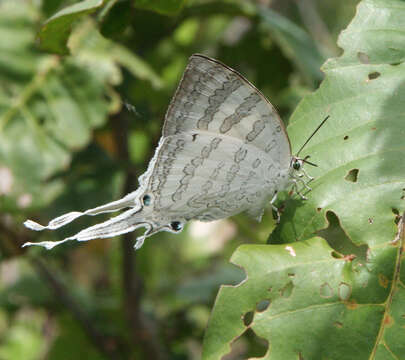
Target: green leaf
[(166, 7), (55, 32), (48, 109), (295, 42), (340, 306), (304, 287)]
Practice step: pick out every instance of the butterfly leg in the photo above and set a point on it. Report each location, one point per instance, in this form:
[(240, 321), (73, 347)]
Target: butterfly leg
[(295, 188), (275, 208), (299, 179), (309, 177)]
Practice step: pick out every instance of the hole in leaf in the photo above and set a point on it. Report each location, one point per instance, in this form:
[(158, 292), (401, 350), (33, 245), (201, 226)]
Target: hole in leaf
[(370, 220), (247, 346), (397, 216), (235, 275), (248, 318), (363, 57), (383, 280), (352, 175), (373, 75), (287, 290), (262, 305), (339, 241), (346, 137)]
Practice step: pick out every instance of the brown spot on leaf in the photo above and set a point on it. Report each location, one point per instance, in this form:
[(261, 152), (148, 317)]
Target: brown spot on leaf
[(338, 324), (346, 137), (388, 320), (351, 305), (370, 220), (383, 280)]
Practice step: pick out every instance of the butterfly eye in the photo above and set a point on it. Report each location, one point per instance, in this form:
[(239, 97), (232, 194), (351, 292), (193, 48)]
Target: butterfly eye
[(296, 165), (176, 225), (147, 200)]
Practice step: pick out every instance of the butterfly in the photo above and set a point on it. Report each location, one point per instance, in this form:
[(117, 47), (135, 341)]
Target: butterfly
[(223, 150)]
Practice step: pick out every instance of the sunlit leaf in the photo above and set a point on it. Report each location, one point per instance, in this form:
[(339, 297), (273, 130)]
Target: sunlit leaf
[(345, 306)]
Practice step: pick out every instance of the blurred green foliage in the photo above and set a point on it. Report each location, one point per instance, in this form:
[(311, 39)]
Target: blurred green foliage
[(63, 123)]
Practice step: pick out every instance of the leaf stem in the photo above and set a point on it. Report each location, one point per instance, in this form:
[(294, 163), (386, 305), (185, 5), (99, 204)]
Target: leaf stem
[(29, 90)]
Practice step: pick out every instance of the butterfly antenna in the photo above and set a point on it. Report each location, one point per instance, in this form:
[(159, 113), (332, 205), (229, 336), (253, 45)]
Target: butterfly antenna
[(316, 130), (305, 160)]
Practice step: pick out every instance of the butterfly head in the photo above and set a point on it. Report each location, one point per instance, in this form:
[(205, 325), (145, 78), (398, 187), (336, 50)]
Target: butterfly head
[(297, 163)]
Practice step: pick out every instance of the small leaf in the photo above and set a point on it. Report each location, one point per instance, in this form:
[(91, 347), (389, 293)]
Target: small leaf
[(55, 32)]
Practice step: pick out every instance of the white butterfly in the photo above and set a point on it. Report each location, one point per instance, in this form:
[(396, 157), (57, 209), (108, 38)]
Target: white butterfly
[(223, 150)]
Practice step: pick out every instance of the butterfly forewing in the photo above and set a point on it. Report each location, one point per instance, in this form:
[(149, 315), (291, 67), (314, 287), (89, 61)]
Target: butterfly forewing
[(212, 97)]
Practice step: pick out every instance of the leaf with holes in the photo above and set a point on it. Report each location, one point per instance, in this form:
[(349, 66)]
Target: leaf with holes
[(350, 306)]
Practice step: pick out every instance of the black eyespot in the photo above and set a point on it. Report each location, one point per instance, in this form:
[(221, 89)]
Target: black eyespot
[(176, 225), (147, 200), (296, 165)]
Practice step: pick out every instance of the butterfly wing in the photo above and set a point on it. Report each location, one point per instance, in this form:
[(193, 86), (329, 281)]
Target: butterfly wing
[(223, 150), (213, 97)]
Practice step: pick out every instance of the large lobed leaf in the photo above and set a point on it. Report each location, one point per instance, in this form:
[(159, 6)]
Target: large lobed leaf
[(322, 305)]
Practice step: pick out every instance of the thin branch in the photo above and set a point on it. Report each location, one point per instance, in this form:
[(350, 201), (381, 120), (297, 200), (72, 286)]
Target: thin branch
[(143, 330)]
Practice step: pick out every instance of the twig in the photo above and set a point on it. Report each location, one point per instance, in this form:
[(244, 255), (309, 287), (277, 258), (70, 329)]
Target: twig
[(143, 332)]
